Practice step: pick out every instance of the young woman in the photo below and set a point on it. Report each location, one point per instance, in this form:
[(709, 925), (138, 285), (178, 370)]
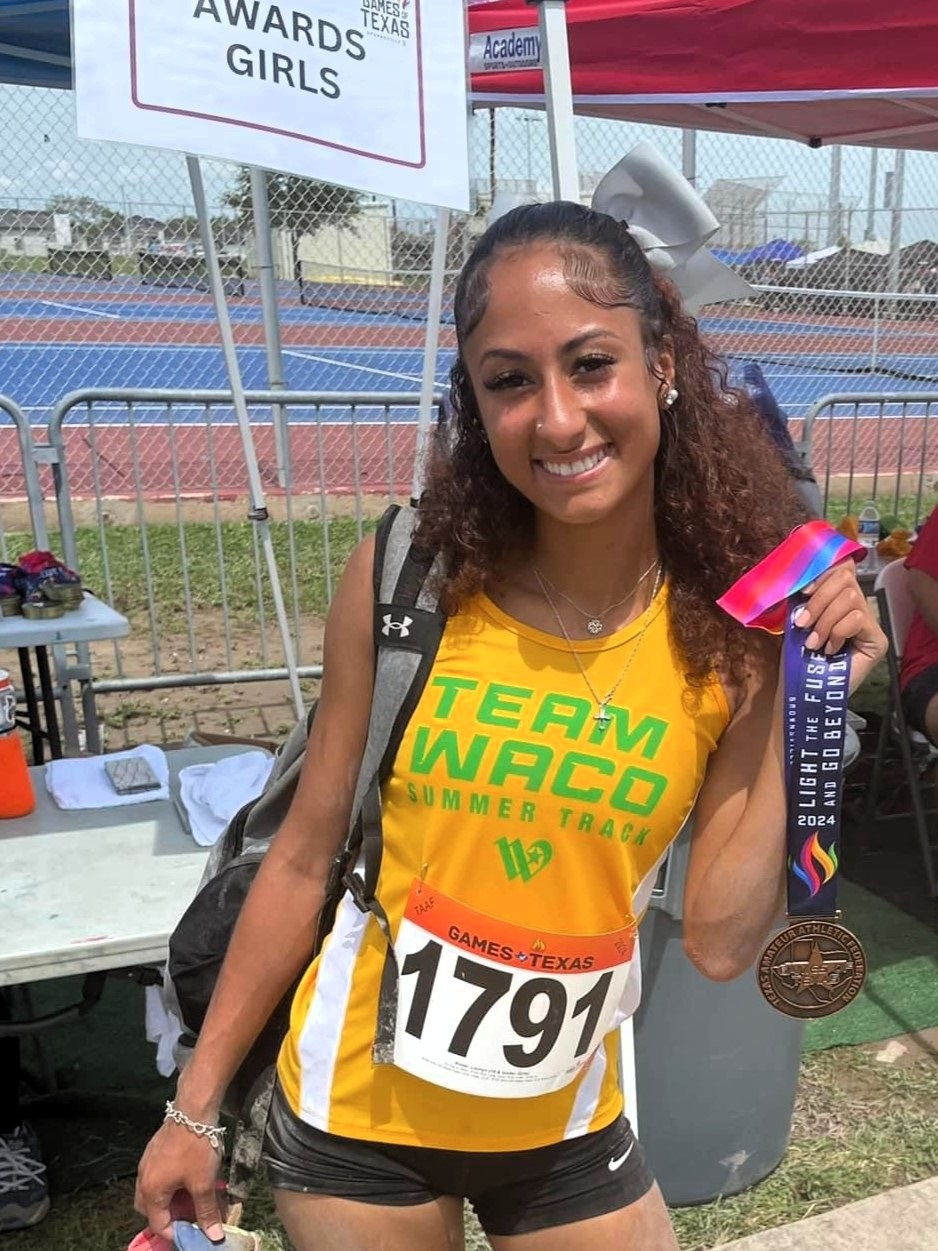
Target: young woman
[(597, 494)]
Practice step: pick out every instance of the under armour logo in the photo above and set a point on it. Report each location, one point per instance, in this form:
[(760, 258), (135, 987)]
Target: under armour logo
[(402, 628)]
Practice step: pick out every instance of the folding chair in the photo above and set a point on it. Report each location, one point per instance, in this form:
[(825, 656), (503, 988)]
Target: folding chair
[(895, 611)]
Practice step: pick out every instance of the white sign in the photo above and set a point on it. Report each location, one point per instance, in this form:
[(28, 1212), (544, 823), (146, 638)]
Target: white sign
[(369, 94), (505, 50)]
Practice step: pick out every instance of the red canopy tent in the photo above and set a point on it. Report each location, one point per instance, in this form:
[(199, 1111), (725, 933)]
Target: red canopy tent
[(841, 71)]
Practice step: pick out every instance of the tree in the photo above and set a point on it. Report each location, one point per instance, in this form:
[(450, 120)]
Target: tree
[(301, 206), (185, 226), (91, 221)]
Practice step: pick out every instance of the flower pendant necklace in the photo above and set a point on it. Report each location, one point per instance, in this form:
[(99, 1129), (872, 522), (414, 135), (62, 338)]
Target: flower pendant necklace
[(594, 620), (602, 716)]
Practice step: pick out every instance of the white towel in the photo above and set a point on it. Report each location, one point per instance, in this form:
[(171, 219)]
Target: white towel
[(83, 783), (163, 1028), (212, 793)]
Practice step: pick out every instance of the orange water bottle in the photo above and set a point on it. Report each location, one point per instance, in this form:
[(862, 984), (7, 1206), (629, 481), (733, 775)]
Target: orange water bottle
[(16, 789)]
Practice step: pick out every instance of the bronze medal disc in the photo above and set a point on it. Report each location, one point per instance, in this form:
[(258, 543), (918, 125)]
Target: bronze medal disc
[(812, 968)]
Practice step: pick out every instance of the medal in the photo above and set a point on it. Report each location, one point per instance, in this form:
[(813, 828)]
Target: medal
[(815, 966), (812, 968)]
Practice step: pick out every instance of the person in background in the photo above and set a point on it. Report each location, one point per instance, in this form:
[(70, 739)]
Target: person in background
[(776, 422), (24, 1190), (919, 675)]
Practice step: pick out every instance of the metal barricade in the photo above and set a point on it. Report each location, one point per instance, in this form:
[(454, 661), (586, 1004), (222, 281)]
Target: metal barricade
[(23, 525), (151, 492), (880, 445), (21, 505)]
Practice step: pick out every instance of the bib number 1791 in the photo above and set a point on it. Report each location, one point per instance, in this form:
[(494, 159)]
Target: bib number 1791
[(488, 1007), (537, 1008)]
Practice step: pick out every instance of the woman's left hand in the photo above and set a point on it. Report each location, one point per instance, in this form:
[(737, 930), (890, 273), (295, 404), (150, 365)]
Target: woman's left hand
[(839, 613)]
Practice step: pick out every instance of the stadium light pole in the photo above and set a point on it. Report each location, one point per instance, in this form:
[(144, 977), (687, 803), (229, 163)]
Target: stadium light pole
[(493, 172), (834, 227), (529, 120), (125, 206), (870, 232), (260, 209), (895, 223), (689, 156), (430, 349)]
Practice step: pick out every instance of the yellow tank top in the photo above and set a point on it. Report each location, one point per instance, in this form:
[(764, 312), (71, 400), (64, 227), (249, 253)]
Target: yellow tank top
[(521, 844)]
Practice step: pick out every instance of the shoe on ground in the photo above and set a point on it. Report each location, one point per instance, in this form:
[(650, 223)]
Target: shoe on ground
[(24, 1190)]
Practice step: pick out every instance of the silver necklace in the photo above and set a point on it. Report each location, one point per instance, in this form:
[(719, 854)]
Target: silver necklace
[(594, 620), (602, 716)]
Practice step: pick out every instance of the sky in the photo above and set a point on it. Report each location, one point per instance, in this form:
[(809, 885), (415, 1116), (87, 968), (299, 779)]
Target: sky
[(43, 158)]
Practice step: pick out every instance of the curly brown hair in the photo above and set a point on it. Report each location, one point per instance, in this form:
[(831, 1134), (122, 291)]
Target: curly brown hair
[(723, 497)]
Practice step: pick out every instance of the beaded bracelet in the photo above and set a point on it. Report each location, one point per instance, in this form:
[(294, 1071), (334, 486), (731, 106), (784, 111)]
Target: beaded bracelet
[(214, 1133)]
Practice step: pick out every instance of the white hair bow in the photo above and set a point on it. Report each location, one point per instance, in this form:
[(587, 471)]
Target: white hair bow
[(671, 224)]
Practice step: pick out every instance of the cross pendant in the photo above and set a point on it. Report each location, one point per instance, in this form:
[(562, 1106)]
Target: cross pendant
[(602, 717)]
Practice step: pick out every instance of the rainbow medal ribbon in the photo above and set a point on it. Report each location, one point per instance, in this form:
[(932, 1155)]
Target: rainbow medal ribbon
[(814, 966)]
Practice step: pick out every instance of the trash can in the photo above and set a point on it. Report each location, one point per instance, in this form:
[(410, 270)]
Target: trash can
[(716, 1067)]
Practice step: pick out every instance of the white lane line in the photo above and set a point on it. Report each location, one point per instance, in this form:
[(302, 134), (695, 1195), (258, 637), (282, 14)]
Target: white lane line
[(78, 308), (365, 369)]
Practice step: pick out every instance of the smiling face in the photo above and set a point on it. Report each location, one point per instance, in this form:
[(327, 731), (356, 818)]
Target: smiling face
[(565, 393)]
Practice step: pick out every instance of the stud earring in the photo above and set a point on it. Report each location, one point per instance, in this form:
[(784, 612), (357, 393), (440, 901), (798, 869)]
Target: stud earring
[(670, 397)]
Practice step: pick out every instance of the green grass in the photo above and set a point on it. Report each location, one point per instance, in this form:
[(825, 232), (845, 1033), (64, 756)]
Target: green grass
[(114, 563), (202, 552), (124, 265), (10, 264), (907, 510), (119, 265), (861, 1127)]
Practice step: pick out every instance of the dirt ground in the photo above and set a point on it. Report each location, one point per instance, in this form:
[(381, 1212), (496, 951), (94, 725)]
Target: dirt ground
[(248, 709)]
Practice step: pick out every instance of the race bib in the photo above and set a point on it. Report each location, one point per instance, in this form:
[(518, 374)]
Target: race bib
[(486, 1007)]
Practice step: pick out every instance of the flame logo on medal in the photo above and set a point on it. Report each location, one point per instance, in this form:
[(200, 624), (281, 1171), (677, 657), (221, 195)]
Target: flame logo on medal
[(813, 858)]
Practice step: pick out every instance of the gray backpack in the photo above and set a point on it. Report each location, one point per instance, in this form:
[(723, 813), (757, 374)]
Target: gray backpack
[(408, 626)]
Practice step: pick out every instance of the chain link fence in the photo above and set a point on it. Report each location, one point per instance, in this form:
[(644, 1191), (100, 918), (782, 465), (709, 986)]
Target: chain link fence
[(103, 283)]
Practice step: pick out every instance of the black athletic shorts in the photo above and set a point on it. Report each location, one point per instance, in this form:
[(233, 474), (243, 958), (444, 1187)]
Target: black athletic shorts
[(513, 1192), (917, 695)]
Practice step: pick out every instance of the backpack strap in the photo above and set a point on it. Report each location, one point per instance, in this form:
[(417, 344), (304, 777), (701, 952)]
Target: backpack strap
[(408, 626)]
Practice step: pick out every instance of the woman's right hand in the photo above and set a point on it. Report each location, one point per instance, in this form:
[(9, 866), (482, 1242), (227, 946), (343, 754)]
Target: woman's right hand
[(177, 1160)]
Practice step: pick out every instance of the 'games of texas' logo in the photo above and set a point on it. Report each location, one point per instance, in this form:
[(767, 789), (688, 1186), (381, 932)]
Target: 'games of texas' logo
[(388, 19)]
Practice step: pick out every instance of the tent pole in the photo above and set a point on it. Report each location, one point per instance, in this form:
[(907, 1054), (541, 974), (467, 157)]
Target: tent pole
[(431, 346), (258, 510), (558, 98), (260, 209)]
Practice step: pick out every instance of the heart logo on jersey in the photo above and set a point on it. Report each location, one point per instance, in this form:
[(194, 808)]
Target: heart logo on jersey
[(524, 862)]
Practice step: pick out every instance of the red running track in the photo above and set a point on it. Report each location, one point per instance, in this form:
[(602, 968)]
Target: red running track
[(194, 460), (141, 332), (144, 333), (374, 459)]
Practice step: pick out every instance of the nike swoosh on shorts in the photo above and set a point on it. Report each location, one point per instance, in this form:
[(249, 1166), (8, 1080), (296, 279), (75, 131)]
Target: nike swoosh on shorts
[(615, 1164)]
